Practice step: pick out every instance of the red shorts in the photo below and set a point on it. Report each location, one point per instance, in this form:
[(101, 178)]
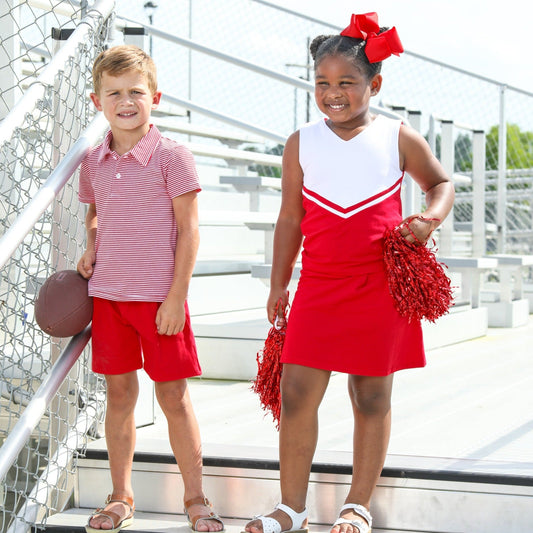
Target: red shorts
[(125, 338)]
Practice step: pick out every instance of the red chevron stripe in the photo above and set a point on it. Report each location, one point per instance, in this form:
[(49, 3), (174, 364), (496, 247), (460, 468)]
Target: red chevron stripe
[(359, 205)]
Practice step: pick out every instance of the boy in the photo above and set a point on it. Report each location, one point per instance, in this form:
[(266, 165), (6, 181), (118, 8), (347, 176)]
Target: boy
[(142, 240)]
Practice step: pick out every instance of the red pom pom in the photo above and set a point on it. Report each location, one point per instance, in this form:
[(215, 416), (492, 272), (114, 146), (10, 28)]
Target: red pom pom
[(269, 368), (417, 281)]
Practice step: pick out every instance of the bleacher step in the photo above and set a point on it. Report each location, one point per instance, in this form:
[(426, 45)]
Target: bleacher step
[(235, 337), (74, 520), (413, 493)]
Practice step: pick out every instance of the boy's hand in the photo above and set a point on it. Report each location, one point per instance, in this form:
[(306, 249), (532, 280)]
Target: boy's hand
[(170, 318), (86, 264)]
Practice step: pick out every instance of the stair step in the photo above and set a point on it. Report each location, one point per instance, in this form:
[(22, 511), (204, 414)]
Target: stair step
[(74, 520), (413, 492)]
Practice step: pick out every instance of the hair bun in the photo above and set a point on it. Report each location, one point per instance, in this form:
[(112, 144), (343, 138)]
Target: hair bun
[(315, 44)]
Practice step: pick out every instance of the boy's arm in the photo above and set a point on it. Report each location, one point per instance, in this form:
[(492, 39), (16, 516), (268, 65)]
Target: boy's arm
[(170, 317), (87, 260)]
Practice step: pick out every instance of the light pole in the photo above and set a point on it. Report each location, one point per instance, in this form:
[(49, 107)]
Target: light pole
[(150, 8), (308, 66), (307, 95)]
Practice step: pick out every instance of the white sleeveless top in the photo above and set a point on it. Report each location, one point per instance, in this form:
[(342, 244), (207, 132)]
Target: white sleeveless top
[(350, 173), (351, 196)]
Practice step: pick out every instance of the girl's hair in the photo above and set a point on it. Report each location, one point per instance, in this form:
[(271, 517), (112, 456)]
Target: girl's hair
[(350, 47), (124, 58)]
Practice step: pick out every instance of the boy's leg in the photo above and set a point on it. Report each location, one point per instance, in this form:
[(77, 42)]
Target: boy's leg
[(184, 435), (122, 392), (302, 391), (371, 403)]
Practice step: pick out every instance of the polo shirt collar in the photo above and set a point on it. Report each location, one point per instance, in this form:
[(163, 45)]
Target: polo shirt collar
[(142, 151)]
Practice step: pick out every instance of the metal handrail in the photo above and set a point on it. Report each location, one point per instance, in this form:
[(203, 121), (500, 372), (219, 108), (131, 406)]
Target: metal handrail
[(254, 67), (406, 52), (198, 47), (191, 106), (17, 115), (35, 410), (24, 223)]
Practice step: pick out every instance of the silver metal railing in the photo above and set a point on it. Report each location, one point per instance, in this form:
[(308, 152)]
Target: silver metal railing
[(101, 10), (14, 236)]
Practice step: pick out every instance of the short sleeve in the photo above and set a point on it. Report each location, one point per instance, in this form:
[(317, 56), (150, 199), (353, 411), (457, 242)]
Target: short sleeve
[(181, 174), (85, 189)]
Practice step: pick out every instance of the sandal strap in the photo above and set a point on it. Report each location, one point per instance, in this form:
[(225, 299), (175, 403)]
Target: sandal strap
[(113, 517), (361, 525), (200, 500), (126, 500), (359, 509), (297, 518)]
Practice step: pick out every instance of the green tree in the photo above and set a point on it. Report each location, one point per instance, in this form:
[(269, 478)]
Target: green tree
[(519, 148), (463, 153), (265, 170)]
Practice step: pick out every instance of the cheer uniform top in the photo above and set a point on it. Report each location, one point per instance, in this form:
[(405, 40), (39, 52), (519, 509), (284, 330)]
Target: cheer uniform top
[(343, 317)]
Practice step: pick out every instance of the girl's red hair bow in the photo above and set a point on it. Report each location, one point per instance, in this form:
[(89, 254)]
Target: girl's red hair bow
[(378, 47)]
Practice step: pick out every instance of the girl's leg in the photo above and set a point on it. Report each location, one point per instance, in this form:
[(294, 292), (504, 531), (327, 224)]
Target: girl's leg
[(302, 390), (184, 435), (371, 403), (122, 392)]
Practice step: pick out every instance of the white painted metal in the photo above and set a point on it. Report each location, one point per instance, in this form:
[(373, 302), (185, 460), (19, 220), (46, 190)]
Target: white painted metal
[(447, 150), (479, 244)]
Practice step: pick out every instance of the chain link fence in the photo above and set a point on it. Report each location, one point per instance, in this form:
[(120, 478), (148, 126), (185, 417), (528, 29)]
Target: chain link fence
[(278, 39), (32, 143), (31, 35)]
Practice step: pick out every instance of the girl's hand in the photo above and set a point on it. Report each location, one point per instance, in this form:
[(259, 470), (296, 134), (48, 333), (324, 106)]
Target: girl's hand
[(86, 264), (170, 317), (276, 305), (418, 228)]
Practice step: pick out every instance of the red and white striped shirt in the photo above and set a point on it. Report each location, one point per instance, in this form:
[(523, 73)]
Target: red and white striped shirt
[(136, 234)]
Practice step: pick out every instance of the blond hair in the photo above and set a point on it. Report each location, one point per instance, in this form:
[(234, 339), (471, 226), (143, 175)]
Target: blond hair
[(123, 58)]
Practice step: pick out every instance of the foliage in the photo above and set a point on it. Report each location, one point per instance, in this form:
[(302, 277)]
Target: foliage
[(265, 170), (519, 148)]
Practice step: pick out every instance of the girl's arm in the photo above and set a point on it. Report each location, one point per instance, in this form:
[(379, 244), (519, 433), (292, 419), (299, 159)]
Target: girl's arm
[(170, 317), (419, 162), (87, 260), (287, 235)]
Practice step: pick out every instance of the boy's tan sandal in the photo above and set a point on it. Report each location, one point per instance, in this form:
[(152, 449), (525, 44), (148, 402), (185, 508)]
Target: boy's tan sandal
[(193, 520), (113, 517)]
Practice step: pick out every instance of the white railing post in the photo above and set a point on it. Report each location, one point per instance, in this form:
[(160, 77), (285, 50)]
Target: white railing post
[(447, 156), (501, 216), (413, 193), (478, 191)]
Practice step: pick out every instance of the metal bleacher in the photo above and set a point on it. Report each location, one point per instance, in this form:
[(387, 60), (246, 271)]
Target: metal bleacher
[(460, 453)]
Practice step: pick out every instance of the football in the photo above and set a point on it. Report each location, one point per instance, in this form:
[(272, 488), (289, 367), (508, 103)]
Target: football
[(63, 306)]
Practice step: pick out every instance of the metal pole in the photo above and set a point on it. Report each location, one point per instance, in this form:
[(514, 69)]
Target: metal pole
[(447, 157), (32, 415), (502, 170), (479, 244), (16, 233)]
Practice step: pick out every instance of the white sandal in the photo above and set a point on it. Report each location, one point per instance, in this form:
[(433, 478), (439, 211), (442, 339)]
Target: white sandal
[(361, 525), (271, 525)]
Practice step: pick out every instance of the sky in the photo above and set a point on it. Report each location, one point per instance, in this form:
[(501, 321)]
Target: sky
[(491, 38)]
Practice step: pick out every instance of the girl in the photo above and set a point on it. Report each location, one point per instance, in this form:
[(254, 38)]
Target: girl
[(341, 191)]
